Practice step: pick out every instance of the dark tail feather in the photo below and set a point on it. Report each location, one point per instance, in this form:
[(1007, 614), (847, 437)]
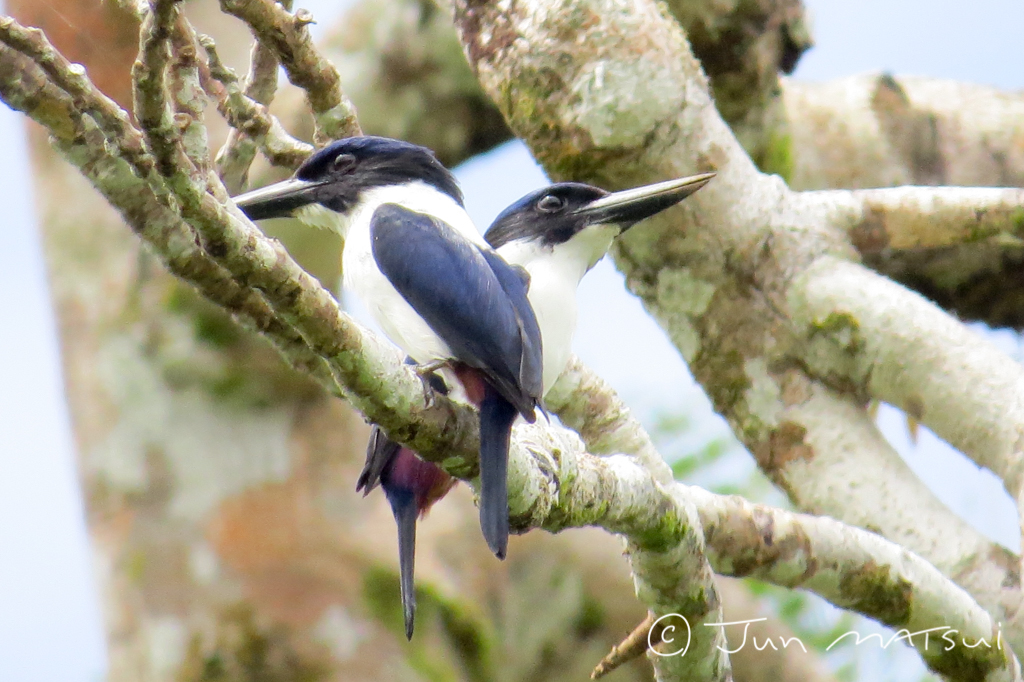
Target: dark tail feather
[(496, 418), (405, 517), (380, 450)]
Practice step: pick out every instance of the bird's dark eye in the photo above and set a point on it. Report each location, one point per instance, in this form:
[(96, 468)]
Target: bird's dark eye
[(551, 204), (343, 163)]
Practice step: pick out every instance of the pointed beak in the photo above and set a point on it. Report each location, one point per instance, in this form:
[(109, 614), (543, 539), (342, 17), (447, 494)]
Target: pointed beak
[(630, 206), (279, 200)]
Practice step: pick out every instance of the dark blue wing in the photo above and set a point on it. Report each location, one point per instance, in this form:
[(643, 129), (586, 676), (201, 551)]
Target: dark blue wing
[(515, 281), (464, 297)]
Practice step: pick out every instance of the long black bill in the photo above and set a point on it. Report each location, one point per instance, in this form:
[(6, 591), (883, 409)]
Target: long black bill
[(279, 200), (630, 206)]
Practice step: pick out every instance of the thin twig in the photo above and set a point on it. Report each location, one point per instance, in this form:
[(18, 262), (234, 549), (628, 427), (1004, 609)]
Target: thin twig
[(631, 647)]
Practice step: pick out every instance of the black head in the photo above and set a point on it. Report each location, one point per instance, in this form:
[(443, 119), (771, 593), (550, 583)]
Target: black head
[(337, 175), (550, 215), (555, 214)]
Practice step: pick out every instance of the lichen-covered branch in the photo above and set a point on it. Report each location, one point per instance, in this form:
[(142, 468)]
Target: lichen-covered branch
[(253, 127), (743, 48), (72, 79), (403, 67), (718, 271), (850, 567), (586, 403), (861, 571), (897, 347), (914, 218), (854, 475), (288, 36), (880, 130), (152, 92), (795, 550), (260, 86)]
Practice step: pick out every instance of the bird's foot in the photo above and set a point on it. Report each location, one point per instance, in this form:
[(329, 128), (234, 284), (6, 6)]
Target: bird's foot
[(432, 382), (427, 369)]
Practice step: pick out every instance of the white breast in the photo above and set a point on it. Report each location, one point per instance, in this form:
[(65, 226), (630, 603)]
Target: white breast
[(555, 273), (392, 313)]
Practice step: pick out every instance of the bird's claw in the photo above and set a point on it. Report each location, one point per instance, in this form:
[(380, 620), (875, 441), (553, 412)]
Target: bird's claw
[(427, 369)]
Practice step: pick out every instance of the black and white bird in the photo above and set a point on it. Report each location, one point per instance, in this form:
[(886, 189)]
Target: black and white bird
[(557, 234), (430, 281)]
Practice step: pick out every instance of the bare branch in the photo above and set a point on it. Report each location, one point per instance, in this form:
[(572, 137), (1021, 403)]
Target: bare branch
[(403, 67), (152, 95), (586, 403), (288, 36), (241, 107)]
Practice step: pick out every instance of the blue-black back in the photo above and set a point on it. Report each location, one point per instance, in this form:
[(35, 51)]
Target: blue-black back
[(472, 299)]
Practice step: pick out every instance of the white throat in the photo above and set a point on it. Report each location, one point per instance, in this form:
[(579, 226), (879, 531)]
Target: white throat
[(416, 196)]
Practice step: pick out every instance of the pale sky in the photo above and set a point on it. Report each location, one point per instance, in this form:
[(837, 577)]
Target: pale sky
[(49, 617)]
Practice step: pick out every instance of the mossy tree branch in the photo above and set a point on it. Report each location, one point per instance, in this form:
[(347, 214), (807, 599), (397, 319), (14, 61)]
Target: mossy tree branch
[(288, 36)]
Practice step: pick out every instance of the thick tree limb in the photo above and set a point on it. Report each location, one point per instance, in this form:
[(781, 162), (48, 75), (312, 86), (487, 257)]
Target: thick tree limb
[(845, 565), (743, 47), (848, 566), (878, 130), (911, 218), (905, 351), (855, 476), (403, 67), (288, 35)]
